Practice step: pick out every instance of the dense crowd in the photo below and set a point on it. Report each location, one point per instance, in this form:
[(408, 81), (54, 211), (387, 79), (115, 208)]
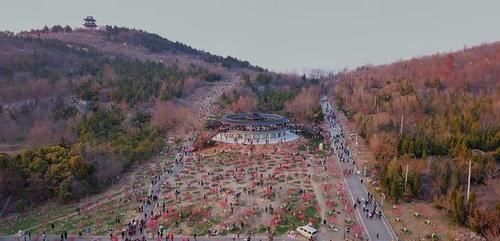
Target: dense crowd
[(370, 208)]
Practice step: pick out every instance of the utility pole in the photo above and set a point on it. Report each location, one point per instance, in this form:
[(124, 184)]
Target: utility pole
[(468, 181), (401, 126), (406, 175)]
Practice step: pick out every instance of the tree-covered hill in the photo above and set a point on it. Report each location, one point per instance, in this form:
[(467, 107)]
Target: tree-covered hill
[(158, 44), (78, 107), (141, 44), (449, 108)]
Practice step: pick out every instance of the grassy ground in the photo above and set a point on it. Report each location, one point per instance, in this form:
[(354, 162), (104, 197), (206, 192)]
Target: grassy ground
[(98, 212), (225, 170)]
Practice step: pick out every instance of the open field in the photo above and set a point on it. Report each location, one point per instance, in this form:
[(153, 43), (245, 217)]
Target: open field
[(229, 188)]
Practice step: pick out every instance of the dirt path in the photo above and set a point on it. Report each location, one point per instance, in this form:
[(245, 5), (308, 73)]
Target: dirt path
[(320, 199)]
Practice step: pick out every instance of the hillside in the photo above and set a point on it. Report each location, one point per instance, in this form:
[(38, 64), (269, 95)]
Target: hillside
[(88, 114), (142, 45), (78, 108), (449, 107), (260, 91), (79, 114)]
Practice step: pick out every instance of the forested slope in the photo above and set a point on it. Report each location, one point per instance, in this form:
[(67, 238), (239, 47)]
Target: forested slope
[(449, 108), (79, 107)]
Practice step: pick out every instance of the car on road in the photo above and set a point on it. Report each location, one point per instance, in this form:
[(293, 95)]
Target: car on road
[(307, 231)]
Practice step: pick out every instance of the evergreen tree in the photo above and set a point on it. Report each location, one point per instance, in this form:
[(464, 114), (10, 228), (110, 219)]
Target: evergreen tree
[(396, 190), (67, 29)]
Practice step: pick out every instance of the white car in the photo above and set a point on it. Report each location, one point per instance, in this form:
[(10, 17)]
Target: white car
[(307, 231)]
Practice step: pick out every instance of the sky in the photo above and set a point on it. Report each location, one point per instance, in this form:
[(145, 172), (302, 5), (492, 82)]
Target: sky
[(284, 35)]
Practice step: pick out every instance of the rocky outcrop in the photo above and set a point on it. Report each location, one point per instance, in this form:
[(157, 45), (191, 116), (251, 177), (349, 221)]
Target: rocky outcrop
[(15, 109), (470, 236)]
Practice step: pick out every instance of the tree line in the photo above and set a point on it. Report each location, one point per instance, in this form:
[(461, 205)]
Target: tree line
[(436, 114)]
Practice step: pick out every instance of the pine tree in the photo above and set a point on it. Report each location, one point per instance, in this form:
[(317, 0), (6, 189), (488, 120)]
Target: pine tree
[(459, 207), (396, 189)]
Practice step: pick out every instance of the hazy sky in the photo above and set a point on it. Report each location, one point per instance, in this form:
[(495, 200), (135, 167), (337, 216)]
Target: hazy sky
[(284, 35)]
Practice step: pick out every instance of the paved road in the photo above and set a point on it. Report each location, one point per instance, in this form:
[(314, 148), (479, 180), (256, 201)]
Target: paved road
[(176, 238), (373, 226)]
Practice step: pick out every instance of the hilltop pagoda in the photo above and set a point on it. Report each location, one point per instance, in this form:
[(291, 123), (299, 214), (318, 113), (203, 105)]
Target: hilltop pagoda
[(90, 23)]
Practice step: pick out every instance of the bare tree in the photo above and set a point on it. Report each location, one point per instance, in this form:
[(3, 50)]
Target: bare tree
[(303, 106), (244, 104), (171, 116), (40, 133)]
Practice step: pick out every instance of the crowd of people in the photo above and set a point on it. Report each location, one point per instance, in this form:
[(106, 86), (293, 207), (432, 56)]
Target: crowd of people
[(370, 208), (150, 206)]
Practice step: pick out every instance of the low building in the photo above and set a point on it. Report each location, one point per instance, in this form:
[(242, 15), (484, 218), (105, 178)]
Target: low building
[(254, 128)]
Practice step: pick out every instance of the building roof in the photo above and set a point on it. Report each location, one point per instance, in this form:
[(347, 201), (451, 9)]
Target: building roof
[(254, 119), (89, 18)]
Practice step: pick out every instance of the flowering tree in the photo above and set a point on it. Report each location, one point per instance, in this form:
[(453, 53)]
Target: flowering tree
[(198, 214), (357, 229), (152, 224), (275, 221), (301, 215), (248, 212), (98, 222), (188, 196), (330, 203), (267, 192), (332, 219), (307, 197), (223, 204), (326, 187), (349, 208), (312, 220)]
